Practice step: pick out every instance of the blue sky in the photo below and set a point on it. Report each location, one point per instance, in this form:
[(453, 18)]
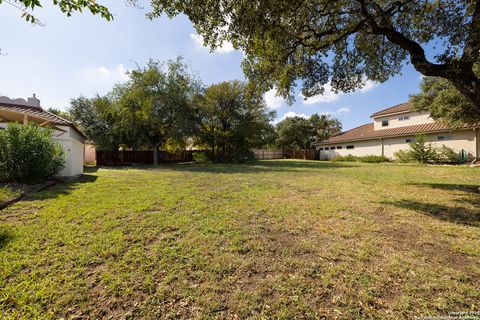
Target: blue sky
[(85, 55)]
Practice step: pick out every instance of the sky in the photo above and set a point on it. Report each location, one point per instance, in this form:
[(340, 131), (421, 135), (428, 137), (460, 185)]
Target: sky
[(86, 55)]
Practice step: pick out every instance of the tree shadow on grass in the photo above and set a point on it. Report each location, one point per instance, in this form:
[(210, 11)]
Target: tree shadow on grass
[(466, 212), (5, 237), (253, 167)]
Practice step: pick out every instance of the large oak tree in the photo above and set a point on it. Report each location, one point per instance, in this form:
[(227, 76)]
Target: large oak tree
[(342, 41)]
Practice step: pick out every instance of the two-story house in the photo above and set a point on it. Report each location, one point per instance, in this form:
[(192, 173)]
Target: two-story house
[(392, 129)]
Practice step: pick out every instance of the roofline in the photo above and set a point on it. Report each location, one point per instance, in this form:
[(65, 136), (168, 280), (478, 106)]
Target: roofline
[(392, 113), (398, 135), (68, 124)]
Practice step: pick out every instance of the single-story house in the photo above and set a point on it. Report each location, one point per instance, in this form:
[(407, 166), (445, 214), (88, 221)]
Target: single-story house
[(393, 128), (64, 132)]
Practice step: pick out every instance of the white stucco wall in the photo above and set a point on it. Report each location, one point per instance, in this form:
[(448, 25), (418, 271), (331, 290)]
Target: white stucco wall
[(461, 140), (394, 122), (74, 145)]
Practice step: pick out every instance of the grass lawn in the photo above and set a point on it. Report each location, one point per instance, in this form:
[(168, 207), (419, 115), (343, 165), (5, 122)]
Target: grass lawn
[(7, 194), (282, 239)]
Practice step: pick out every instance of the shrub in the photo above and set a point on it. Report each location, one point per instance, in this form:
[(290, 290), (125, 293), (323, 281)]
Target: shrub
[(337, 158), (366, 159), (421, 151), (200, 157), (27, 153), (403, 156), (447, 155), (374, 159)]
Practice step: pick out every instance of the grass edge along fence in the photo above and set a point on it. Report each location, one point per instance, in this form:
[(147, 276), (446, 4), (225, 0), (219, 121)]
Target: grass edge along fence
[(125, 157), (271, 154)]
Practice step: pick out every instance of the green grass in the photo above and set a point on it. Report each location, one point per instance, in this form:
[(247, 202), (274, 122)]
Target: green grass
[(7, 194), (276, 239)]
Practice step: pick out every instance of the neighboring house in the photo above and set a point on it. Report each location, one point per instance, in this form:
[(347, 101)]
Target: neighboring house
[(72, 140), (392, 129)]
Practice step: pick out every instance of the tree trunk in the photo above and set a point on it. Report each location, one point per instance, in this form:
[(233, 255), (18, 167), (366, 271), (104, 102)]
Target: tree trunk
[(155, 153)]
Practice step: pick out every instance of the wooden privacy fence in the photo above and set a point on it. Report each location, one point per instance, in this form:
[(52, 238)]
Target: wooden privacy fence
[(144, 157), (269, 154)]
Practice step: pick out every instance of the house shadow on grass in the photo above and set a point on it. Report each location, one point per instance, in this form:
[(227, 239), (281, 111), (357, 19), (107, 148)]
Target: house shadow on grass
[(300, 166), (466, 211), (61, 188)]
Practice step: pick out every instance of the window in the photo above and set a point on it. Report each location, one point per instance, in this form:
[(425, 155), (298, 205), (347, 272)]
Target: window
[(339, 147), (403, 118), (408, 140), (384, 123), (350, 147), (444, 138), (321, 149)]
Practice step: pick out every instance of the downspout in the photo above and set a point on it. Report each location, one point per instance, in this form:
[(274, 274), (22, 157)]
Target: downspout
[(477, 143), (383, 152)]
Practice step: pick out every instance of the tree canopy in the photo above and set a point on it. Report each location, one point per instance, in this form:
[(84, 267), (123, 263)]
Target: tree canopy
[(343, 42), (231, 122), (152, 109), (68, 7), (444, 102), (301, 133)]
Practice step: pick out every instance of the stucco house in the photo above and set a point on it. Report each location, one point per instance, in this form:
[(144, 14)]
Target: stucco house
[(393, 128), (72, 140)]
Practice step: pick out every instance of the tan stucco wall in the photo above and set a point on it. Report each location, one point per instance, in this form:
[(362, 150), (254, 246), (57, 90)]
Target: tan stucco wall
[(461, 139), (90, 155), (393, 122), (362, 148)]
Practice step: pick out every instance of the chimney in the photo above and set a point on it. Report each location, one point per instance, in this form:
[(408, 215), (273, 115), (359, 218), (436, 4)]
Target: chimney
[(33, 102)]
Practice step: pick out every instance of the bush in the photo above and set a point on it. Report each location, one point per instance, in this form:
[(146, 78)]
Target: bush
[(425, 153), (27, 153), (366, 159), (403, 156), (374, 159), (421, 151), (200, 157), (447, 155)]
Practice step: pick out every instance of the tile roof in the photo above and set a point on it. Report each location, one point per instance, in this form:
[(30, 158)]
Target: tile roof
[(366, 132), (36, 113), (402, 107), (39, 113)]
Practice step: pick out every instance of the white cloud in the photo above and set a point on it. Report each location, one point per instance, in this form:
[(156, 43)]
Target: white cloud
[(327, 96), (369, 85), (99, 79), (342, 110), (330, 96), (226, 46), (272, 100), (291, 114)]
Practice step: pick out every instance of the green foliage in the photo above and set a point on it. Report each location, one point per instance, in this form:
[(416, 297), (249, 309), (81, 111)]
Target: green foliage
[(301, 133), (154, 109), (27, 153), (342, 42), (365, 159), (200, 157), (447, 155), (231, 122), (423, 152), (68, 7), (157, 104), (444, 102), (403, 156), (99, 119)]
